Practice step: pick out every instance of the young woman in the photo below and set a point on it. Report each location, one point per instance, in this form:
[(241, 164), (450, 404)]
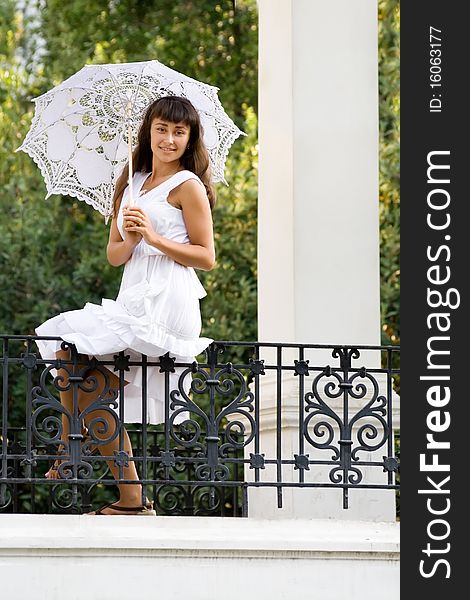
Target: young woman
[(160, 239)]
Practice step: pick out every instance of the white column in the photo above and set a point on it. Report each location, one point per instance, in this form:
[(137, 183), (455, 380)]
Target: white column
[(276, 246), (318, 249), (318, 237)]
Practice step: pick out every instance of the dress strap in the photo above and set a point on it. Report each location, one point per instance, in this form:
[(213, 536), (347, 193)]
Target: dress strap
[(180, 178)]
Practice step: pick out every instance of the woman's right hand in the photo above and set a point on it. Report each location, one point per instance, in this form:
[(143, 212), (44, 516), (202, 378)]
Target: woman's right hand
[(132, 237)]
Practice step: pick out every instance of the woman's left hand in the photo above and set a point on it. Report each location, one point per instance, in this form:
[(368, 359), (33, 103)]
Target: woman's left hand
[(135, 219)]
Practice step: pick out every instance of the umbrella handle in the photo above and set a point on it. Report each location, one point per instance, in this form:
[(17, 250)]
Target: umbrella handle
[(129, 150)]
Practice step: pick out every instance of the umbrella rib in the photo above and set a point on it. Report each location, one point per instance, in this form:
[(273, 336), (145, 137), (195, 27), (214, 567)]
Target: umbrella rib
[(138, 85), (60, 89), (72, 156), (60, 118), (92, 130), (116, 85)]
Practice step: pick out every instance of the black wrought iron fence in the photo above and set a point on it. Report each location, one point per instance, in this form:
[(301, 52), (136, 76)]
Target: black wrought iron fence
[(229, 426)]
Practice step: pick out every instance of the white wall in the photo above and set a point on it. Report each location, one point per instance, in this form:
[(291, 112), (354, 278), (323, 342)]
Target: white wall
[(45, 557)]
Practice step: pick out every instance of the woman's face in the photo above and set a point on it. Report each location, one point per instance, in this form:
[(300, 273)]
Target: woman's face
[(168, 140)]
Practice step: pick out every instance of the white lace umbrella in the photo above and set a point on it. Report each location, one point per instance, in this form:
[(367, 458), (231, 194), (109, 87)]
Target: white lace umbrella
[(84, 129)]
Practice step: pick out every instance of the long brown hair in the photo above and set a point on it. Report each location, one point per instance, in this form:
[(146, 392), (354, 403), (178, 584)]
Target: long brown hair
[(174, 109)]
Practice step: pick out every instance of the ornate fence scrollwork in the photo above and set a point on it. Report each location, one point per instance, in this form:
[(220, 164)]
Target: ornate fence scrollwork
[(361, 401), (199, 461)]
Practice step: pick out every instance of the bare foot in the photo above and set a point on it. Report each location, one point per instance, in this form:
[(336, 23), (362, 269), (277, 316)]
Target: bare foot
[(53, 472)]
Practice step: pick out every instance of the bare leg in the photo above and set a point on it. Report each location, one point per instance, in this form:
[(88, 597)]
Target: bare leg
[(66, 400), (129, 494)]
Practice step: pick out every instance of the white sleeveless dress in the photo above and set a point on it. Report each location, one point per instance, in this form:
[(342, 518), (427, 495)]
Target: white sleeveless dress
[(156, 310)]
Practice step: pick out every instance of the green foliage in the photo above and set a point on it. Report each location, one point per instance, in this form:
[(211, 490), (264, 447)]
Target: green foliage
[(52, 252), (389, 123), (389, 90), (207, 40)]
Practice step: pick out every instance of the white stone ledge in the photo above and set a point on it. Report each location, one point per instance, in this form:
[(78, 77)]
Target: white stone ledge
[(55, 535), (52, 557)]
